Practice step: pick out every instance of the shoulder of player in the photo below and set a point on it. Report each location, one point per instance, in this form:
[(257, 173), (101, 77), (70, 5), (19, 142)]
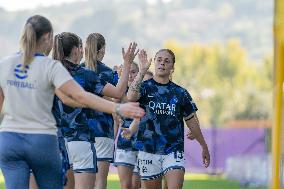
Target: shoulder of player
[(149, 82), (179, 88), (47, 60), (89, 72), (10, 58), (101, 67), (91, 75)]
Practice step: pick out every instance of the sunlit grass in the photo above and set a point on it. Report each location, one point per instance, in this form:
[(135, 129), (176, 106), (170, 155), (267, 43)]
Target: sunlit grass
[(192, 181)]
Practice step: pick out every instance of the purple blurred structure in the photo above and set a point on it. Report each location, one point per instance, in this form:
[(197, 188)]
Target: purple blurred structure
[(224, 143)]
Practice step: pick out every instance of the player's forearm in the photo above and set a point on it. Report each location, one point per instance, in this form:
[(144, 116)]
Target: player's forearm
[(67, 100), (193, 124), (134, 126), (77, 93), (115, 127), (122, 83), (133, 93)]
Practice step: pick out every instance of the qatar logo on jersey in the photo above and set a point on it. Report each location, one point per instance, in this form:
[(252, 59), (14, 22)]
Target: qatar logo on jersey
[(162, 108), (20, 72)]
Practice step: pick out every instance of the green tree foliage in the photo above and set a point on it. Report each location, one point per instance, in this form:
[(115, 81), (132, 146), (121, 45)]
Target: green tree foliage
[(223, 81)]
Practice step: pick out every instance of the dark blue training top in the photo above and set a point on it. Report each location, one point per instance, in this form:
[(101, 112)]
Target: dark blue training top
[(161, 130), (77, 124), (104, 126), (123, 143)]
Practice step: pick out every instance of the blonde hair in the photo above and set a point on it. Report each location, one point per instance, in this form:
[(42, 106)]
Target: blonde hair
[(35, 27), (28, 44), (94, 43), (168, 51)]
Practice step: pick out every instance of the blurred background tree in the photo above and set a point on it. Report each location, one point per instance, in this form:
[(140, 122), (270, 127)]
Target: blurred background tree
[(223, 48), (224, 82)]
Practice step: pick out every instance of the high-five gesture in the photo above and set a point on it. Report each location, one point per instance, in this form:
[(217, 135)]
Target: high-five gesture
[(133, 93), (130, 109), (130, 54), (144, 63), (128, 57)]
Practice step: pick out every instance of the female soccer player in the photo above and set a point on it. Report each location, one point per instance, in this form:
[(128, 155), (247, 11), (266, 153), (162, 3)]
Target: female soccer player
[(104, 129), (79, 125), (28, 81), (160, 137), (126, 154)]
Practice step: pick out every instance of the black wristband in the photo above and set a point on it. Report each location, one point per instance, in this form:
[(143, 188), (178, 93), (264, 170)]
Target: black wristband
[(190, 118)]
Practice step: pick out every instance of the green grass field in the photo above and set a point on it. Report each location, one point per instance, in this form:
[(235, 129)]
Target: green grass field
[(198, 184), (191, 182)]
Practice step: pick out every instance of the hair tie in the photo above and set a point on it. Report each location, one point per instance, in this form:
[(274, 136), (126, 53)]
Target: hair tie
[(60, 36), (29, 22)]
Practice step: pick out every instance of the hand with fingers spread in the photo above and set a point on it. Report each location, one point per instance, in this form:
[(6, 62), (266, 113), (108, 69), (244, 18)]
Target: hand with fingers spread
[(130, 110), (130, 54), (144, 63)]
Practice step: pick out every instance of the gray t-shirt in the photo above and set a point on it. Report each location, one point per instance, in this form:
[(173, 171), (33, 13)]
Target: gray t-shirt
[(29, 93)]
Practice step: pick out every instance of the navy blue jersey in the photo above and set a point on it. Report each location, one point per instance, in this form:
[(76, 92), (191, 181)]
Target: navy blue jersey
[(123, 143), (161, 130), (104, 121), (77, 124), (107, 73)]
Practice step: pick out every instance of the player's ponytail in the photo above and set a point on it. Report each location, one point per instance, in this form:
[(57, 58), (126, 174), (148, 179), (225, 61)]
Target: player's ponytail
[(94, 43), (35, 27)]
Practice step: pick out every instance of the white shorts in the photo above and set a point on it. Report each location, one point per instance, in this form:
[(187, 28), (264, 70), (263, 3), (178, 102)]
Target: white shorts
[(136, 169), (82, 154), (152, 166), (67, 149), (105, 149), (125, 158)]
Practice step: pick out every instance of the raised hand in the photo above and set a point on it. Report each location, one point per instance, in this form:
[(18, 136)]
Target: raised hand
[(144, 63), (130, 54)]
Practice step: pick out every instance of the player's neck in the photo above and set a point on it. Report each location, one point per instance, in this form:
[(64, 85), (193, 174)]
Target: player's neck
[(73, 60), (41, 50), (162, 80)]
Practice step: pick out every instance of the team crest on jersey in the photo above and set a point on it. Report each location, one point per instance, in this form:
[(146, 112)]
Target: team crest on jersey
[(174, 100), (20, 72)]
